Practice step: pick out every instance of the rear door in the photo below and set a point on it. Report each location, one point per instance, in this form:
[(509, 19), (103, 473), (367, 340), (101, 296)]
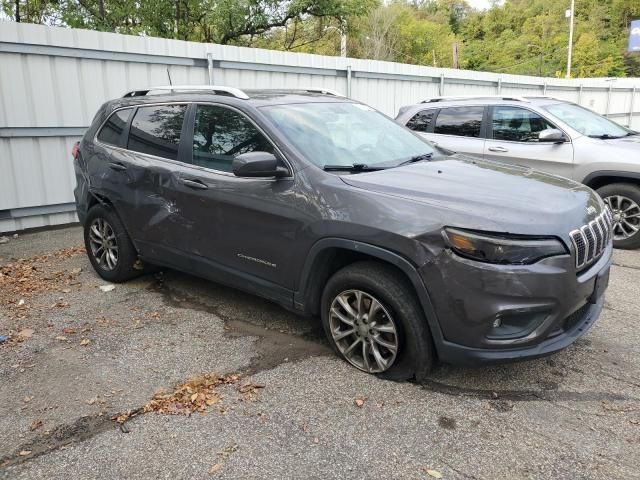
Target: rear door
[(147, 175), (513, 138)]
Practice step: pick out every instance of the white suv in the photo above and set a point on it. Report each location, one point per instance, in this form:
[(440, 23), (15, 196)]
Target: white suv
[(546, 134)]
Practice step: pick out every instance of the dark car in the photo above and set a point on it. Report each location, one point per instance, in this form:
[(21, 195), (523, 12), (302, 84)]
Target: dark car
[(327, 207)]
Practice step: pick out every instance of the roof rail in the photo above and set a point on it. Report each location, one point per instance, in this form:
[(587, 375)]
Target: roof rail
[(216, 89), (323, 91), (475, 97)]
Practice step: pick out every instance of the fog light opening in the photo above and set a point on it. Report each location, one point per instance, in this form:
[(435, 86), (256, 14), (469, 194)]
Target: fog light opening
[(515, 324)]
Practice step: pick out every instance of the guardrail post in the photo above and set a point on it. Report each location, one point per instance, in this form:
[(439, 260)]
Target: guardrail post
[(210, 67), (544, 88), (499, 86), (348, 81), (633, 105), (441, 90)]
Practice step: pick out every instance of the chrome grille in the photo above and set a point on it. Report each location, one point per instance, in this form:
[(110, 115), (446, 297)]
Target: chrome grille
[(591, 240)]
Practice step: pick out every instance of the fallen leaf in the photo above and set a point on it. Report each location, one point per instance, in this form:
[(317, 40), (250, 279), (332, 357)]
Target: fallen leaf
[(76, 271), (91, 401), (84, 342), (36, 424), (27, 399), (194, 397), (433, 473), (215, 469), (69, 331), (24, 453), (25, 333), (66, 290), (61, 338), (21, 302), (359, 401), (107, 288)]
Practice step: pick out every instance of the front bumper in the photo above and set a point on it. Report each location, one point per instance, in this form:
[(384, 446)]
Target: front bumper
[(550, 305)]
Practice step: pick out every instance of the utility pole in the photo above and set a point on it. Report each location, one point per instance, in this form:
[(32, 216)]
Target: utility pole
[(455, 55), (571, 15), (343, 38)]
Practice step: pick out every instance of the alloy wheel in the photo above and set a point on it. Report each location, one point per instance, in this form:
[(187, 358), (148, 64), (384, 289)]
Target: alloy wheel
[(364, 331), (104, 245), (626, 216)]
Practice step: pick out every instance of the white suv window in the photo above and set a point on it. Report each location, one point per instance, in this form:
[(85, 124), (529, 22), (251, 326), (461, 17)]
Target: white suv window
[(516, 124)]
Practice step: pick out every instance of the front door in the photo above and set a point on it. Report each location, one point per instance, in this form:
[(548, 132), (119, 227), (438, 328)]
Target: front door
[(245, 226), (513, 138)]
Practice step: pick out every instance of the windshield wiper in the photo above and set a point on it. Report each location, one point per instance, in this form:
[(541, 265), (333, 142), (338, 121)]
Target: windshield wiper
[(606, 136), (416, 158), (356, 167)]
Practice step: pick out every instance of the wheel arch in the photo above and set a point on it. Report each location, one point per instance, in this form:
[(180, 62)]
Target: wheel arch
[(331, 254), (601, 178)]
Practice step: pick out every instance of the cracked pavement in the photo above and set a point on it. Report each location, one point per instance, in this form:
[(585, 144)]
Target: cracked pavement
[(573, 415)]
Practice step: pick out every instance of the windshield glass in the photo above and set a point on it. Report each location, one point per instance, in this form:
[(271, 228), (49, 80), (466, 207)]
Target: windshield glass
[(585, 121), (346, 134)]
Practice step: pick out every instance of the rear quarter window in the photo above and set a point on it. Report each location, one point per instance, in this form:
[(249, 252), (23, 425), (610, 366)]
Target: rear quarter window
[(155, 130), (111, 131)]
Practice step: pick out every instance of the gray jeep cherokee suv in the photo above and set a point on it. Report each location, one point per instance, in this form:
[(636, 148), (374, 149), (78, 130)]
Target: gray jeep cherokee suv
[(328, 207), (547, 134)]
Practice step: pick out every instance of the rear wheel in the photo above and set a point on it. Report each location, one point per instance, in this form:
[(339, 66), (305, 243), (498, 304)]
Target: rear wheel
[(374, 321), (108, 245), (623, 200)]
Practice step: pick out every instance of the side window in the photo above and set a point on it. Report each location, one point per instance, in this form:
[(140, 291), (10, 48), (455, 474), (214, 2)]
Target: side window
[(111, 132), (221, 134), (420, 121), (517, 124), (460, 121), (155, 130)]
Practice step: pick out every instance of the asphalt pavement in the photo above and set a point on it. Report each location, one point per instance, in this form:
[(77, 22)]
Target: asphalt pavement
[(81, 362)]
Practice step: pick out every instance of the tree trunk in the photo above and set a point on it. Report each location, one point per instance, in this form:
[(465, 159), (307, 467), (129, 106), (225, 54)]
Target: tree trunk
[(18, 11)]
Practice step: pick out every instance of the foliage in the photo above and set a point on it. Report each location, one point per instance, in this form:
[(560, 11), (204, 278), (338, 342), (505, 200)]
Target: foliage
[(514, 36)]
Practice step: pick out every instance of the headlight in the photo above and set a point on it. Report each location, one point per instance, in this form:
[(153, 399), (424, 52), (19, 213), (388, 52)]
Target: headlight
[(493, 248)]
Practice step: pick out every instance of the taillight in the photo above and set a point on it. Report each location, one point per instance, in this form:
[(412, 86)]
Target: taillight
[(74, 150)]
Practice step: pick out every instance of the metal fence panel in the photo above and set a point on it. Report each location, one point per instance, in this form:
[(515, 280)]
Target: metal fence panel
[(52, 81)]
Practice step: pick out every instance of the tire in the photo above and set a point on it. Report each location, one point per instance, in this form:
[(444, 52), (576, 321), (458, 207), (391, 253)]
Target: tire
[(620, 197), (126, 265), (414, 356)]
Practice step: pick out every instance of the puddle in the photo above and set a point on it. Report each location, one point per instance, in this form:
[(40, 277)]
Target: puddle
[(274, 347)]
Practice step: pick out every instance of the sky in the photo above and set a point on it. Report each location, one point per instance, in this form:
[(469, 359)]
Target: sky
[(479, 4)]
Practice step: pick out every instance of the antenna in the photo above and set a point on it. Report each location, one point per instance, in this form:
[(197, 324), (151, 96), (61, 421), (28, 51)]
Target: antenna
[(169, 75)]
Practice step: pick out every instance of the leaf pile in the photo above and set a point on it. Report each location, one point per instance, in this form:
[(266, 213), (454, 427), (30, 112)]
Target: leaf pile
[(195, 395), (26, 277)]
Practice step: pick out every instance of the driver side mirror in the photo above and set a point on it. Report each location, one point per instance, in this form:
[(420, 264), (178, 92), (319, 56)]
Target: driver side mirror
[(258, 164), (551, 135)]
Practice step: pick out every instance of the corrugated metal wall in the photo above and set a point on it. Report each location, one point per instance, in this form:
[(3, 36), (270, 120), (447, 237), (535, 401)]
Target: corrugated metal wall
[(52, 80)]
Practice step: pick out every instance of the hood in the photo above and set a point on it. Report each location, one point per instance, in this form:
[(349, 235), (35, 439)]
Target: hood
[(632, 142), (473, 193)]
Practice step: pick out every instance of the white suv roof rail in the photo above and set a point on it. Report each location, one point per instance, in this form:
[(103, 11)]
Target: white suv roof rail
[(475, 97), (235, 92)]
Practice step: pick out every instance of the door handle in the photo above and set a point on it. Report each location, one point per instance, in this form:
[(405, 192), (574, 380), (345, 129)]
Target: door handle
[(195, 184), (498, 149), (117, 166)]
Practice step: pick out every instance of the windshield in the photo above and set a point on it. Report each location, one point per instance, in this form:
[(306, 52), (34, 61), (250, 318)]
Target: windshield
[(585, 121), (346, 134)]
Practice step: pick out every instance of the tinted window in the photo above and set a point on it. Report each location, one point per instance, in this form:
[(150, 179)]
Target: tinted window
[(112, 130), (155, 130), (420, 121), (221, 134), (517, 124), (461, 121)]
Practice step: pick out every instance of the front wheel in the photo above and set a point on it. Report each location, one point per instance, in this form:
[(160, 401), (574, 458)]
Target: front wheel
[(373, 320), (623, 200)]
